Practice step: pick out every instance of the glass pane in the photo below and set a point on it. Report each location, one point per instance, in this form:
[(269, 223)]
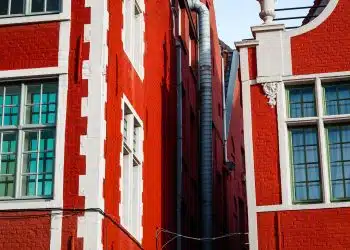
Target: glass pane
[(29, 185), (33, 104), (47, 140), (311, 154), (37, 5), (314, 191), (332, 108), (346, 151), (31, 141), (300, 192), (331, 93), (46, 162), (294, 95), (30, 163), (295, 110), (344, 91), (313, 173), (347, 189), (49, 104), (310, 137), (338, 189), (346, 170), (4, 7), (345, 133), (45, 185), (308, 95), (333, 135), (53, 5), (298, 137), (12, 102), (299, 173), (7, 186), (344, 107), (337, 171), (309, 109), (17, 6), (298, 155)]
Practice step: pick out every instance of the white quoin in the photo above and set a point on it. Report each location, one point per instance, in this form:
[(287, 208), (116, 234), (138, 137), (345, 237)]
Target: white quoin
[(267, 13)]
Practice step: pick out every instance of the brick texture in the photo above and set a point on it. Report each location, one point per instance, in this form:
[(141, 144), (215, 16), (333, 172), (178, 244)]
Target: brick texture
[(253, 70), (25, 231), (326, 48), (305, 229), (29, 46), (266, 154)]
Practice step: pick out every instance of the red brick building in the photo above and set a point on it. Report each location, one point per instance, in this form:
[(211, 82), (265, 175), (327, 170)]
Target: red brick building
[(88, 128), (296, 128)]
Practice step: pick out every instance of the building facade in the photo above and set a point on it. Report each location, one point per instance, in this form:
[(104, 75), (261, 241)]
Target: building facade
[(296, 124), (88, 130)]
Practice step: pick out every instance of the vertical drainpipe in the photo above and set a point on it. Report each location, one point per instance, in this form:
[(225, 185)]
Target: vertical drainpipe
[(178, 122), (206, 119), (179, 142)]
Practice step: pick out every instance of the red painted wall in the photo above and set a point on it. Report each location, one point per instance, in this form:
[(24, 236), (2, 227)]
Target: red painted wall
[(326, 48), (305, 229), (29, 46), (25, 230), (74, 163), (266, 154)]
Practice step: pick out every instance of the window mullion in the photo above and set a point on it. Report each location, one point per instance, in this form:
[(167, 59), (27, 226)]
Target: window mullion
[(19, 166), (37, 164), (45, 5), (28, 6), (3, 107), (322, 143), (40, 102), (9, 7)]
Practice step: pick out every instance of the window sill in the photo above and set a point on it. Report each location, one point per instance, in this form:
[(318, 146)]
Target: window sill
[(10, 20), (28, 203)]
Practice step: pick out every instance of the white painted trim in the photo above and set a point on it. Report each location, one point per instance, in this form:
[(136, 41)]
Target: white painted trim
[(249, 159), (140, 155), (323, 76), (315, 22), (296, 207), (30, 73), (267, 28), (93, 107), (64, 15), (283, 143), (56, 223), (244, 64), (246, 43)]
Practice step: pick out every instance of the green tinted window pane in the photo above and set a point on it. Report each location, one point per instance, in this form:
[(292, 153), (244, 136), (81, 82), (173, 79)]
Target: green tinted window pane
[(29, 185), (11, 109), (47, 140), (8, 164), (45, 185), (53, 5), (30, 163), (37, 5), (6, 186), (9, 142), (4, 7), (49, 104), (17, 6), (46, 162), (31, 141)]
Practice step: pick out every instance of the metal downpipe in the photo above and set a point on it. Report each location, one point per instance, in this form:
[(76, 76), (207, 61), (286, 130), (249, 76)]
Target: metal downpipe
[(205, 81)]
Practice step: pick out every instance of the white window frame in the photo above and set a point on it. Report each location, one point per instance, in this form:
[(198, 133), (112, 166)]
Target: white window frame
[(133, 34), (131, 207), (63, 14), (57, 198), (20, 130), (319, 122), (27, 9)]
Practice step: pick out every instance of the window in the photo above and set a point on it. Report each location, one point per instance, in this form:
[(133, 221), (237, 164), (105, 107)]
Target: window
[(27, 139), (301, 102), (305, 163), (133, 33), (28, 7), (319, 128), (339, 157), (337, 99), (132, 173)]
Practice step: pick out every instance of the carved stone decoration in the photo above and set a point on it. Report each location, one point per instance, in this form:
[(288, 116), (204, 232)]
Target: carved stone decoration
[(270, 90), (267, 13)]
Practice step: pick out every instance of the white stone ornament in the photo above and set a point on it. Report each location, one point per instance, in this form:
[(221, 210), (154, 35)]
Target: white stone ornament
[(267, 13), (270, 90)]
